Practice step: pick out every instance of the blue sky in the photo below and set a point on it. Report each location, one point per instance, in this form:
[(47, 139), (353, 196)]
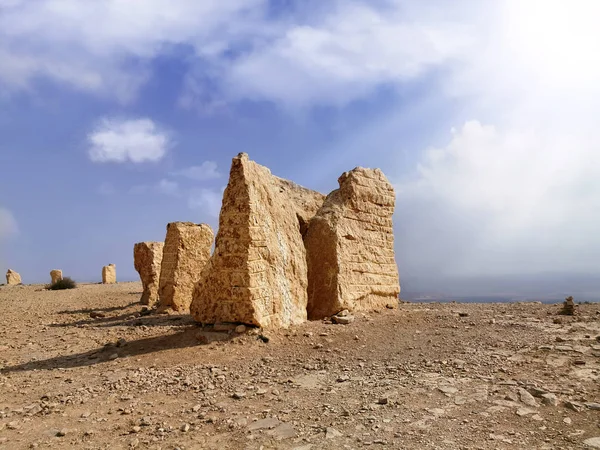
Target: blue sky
[(118, 116)]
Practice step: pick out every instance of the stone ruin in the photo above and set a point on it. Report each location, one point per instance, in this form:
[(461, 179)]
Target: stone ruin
[(185, 253), (109, 274), (283, 250), (147, 258), (257, 274), (568, 308), (350, 247), (55, 276), (12, 277)]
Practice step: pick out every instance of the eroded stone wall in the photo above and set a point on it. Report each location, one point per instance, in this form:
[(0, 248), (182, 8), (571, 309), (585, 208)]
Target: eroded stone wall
[(147, 258), (55, 276), (185, 253), (12, 277), (257, 274), (350, 247), (109, 274)]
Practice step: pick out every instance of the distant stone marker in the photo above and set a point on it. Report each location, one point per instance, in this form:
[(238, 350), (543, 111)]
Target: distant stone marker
[(185, 253), (109, 274), (350, 247), (12, 277), (147, 258), (55, 276), (257, 274)]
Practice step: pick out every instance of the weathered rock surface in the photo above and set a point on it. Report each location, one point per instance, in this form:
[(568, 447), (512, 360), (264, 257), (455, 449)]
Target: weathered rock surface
[(350, 247), (147, 258), (185, 253), (12, 277), (257, 274), (109, 274), (55, 276)]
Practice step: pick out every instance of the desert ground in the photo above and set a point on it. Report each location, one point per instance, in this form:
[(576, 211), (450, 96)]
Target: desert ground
[(89, 368)]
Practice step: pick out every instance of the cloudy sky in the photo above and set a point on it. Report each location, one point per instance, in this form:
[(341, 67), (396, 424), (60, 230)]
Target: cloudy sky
[(118, 116)]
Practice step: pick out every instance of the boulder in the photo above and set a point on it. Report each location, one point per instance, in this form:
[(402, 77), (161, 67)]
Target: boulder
[(109, 274), (12, 277), (257, 274), (147, 257), (55, 276), (185, 253), (350, 247)]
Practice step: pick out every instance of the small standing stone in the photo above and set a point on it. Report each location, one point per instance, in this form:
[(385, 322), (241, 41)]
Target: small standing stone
[(12, 277), (55, 276), (109, 274)]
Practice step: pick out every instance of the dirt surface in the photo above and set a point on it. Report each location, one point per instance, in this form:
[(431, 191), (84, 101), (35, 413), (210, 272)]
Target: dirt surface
[(85, 369)]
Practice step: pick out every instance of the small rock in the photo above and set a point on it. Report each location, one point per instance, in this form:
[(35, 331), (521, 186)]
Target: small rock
[(263, 338), (97, 315), (382, 401), (463, 314), (136, 429), (223, 327), (525, 411), (185, 427), (113, 356), (567, 420), (342, 320), (61, 433), (593, 405), (575, 406), (448, 390), (332, 433), (593, 442), (121, 342), (238, 395), (283, 431), (550, 399), (240, 329), (526, 397), (268, 423)]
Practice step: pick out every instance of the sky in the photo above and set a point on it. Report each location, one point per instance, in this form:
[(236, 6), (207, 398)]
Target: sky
[(119, 116)]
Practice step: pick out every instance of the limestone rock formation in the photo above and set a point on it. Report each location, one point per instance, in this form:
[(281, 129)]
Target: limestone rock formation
[(55, 275), (350, 247), (257, 274), (12, 277), (147, 257), (185, 253), (109, 274)]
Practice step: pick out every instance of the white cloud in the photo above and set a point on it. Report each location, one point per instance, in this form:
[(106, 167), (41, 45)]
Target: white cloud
[(8, 224), (167, 187), (135, 140), (106, 189), (164, 187), (105, 46), (204, 172), (206, 200), (503, 201), (344, 56)]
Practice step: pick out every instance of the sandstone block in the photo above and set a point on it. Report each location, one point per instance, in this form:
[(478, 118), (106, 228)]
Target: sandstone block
[(257, 274), (185, 253), (350, 247), (147, 258), (12, 277), (109, 274), (55, 275)]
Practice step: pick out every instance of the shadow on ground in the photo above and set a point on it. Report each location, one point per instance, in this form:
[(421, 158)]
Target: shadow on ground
[(98, 310), (185, 338), (133, 319)]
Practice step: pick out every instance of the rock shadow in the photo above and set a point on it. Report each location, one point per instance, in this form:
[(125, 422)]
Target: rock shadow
[(182, 339), (131, 320)]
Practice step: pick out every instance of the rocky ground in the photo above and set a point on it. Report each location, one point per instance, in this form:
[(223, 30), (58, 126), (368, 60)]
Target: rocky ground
[(86, 368)]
